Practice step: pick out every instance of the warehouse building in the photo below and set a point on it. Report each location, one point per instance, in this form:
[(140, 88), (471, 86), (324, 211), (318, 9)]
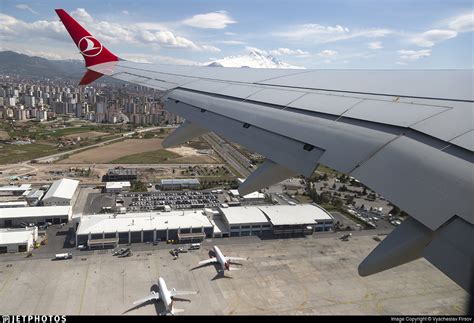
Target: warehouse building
[(13, 204), (102, 231), (37, 215), (34, 196), (120, 174), (246, 221), (178, 184), (117, 187), (300, 219), (276, 220), (61, 192), (14, 190), (18, 240)]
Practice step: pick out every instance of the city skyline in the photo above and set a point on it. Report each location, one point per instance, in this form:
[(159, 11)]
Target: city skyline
[(341, 34)]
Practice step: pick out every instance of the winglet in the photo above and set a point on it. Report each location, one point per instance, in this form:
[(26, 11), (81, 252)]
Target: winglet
[(91, 49)]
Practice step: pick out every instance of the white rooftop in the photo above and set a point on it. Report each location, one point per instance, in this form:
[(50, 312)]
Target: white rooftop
[(37, 211), (254, 195), (15, 236), (110, 185), (142, 221), (295, 214), (243, 214), (13, 203), (63, 188), (12, 188)]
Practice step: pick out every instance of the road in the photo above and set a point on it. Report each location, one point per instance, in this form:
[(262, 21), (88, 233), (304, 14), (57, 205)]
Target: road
[(231, 155)]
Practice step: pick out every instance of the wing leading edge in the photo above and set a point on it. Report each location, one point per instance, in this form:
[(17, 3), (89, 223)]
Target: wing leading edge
[(408, 135)]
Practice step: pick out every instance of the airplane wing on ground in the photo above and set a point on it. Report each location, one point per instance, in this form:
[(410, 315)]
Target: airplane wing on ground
[(152, 296), (235, 259), (209, 261), (407, 134), (175, 292)]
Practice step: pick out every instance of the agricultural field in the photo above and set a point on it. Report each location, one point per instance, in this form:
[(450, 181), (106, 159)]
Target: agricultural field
[(17, 153)]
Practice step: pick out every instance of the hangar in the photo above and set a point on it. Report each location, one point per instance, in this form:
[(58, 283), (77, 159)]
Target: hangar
[(61, 192), (143, 227), (18, 240), (38, 215), (245, 221)]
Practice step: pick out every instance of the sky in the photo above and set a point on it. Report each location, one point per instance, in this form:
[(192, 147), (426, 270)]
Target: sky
[(335, 34)]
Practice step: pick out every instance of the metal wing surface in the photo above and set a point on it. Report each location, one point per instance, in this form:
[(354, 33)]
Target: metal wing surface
[(407, 134)]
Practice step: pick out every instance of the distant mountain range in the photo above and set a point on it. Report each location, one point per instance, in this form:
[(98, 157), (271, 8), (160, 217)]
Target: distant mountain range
[(254, 59), (38, 67)]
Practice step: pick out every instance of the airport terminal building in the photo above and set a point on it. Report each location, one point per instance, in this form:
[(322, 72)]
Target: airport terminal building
[(277, 220), (183, 226)]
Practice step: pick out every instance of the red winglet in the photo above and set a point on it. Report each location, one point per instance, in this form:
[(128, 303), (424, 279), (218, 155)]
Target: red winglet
[(91, 49), (90, 77)]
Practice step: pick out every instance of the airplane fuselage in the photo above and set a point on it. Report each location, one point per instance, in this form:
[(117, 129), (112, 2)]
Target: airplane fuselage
[(165, 294), (221, 259)]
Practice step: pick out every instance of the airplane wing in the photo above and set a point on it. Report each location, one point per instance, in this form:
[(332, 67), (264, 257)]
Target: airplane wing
[(235, 259), (407, 134), (209, 261), (152, 296), (175, 292)]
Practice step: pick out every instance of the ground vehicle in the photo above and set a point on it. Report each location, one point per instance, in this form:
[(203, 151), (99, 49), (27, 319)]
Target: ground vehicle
[(195, 246), (121, 251), (62, 256)]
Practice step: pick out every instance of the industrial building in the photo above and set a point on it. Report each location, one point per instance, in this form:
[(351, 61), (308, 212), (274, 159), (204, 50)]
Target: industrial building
[(120, 174), (13, 204), (246, 221), (18, 240), (14, 190), (117, 187), (110, 230), (177, 184), (33, 197), (289, 220), (61, 192), (276, 220), (37, 215)]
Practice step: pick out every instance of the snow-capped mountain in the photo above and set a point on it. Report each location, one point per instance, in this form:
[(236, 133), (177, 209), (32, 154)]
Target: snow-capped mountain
[(255, 58)]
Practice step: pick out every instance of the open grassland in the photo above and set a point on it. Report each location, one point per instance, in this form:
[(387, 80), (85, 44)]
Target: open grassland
[(15, 153), (149, 157)]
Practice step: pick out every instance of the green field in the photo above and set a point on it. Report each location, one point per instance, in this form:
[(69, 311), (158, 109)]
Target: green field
[(13, 153), (149, 157)]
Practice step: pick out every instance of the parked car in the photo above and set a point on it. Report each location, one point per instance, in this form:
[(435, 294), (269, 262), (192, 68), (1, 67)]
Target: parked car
[(63, 256)]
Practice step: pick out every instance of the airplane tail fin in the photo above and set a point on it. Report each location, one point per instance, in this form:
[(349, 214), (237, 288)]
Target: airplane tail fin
[(92, 50)]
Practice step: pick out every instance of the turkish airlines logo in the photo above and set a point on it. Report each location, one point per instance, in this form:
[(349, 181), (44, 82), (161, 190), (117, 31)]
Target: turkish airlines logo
[(89, 46)]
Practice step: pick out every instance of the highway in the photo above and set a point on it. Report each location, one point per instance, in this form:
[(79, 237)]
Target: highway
[(227, 152)]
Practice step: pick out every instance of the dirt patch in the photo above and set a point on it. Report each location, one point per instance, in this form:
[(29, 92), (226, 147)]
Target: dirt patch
[(4, 135), (87, 135), (109, 153)]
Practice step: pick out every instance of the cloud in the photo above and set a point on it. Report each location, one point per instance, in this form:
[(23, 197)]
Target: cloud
[(212, 20), (26, 7), (15, 30), (125, 12), (316, 33), (232, 42), (375, 45), (401, 63), (431, 37), (327, 53), (287, 51), (413, 55), (463, 23)]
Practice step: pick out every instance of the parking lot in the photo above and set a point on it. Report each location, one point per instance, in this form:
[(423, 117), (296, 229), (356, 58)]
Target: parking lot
[(176, 200)]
